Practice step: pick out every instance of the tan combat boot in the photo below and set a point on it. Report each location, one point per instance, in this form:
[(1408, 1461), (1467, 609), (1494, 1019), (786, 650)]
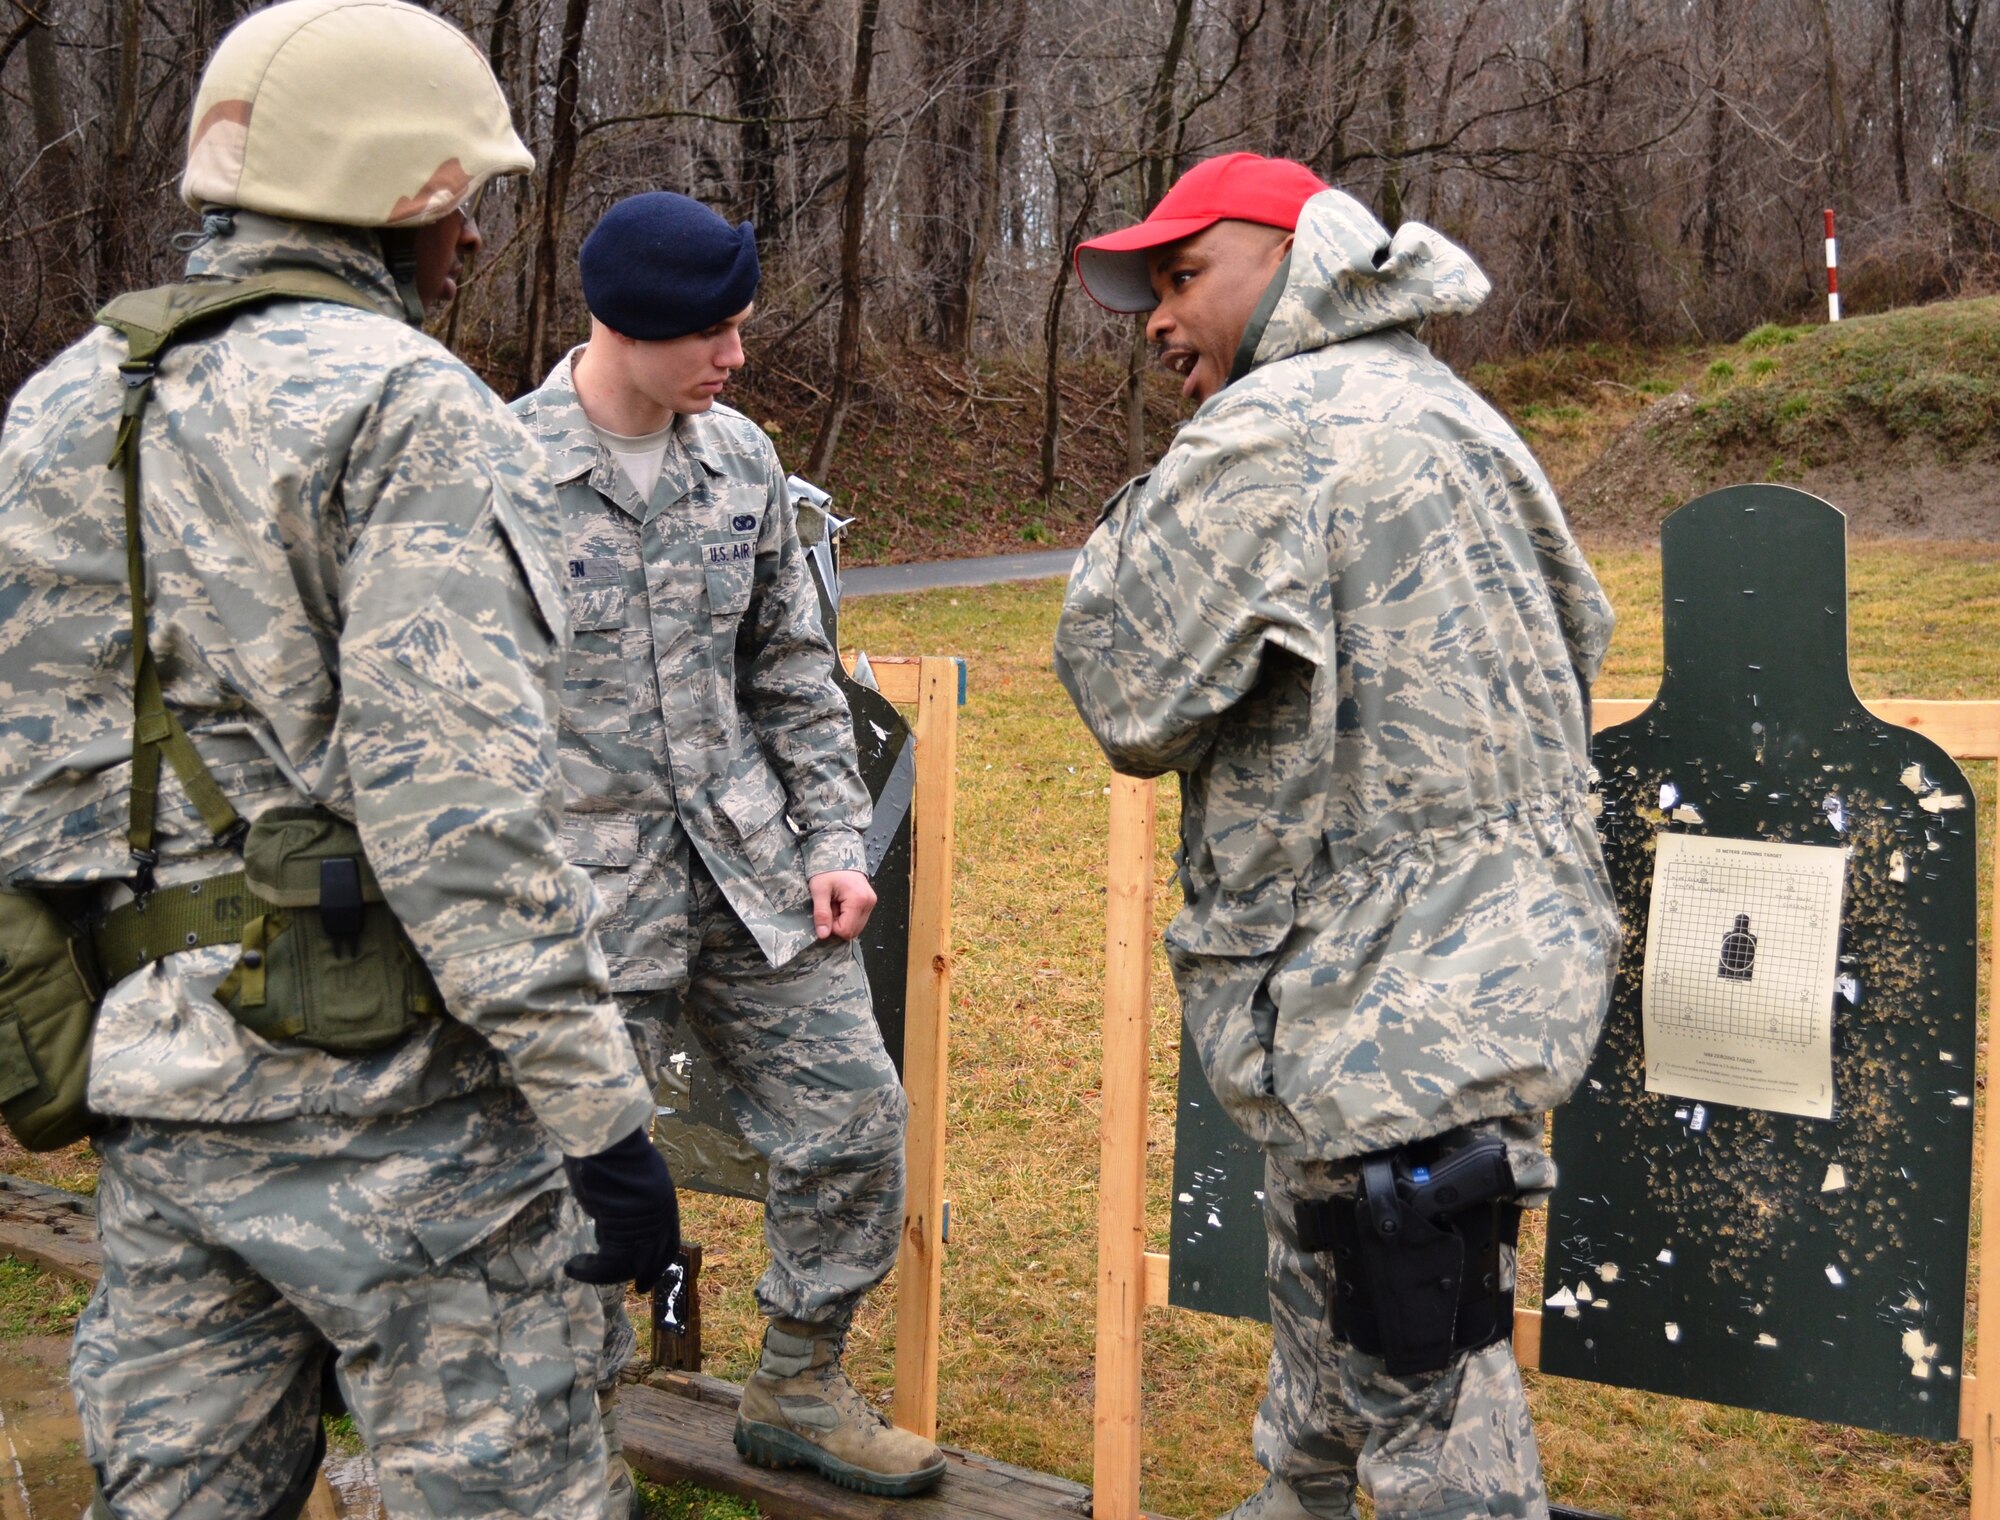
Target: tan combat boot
[(1277, 1500), (799, 1410)]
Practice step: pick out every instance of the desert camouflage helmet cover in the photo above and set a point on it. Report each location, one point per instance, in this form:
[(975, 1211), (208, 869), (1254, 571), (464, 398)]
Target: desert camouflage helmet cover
[(367, 113)]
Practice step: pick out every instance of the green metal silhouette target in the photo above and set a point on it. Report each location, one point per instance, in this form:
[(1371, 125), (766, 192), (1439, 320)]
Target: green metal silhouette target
[(1713, 1245)]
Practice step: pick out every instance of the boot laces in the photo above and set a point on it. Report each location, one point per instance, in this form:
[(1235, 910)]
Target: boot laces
[(839, 1390)]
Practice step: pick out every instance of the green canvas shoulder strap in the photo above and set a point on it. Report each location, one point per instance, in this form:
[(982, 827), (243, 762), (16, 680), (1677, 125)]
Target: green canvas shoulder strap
[(152, 321)]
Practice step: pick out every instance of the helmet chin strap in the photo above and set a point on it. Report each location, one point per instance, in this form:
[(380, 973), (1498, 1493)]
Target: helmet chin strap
[(399, 252)]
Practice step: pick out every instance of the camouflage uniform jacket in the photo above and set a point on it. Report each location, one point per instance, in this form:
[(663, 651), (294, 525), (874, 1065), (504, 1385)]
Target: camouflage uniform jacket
[(699, 707), (351, 555), (1347, 609)]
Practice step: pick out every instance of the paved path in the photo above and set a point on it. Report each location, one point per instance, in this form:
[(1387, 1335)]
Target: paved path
[(876, 580)]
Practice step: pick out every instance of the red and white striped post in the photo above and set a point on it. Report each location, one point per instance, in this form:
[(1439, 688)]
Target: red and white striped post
[(1832, 273)]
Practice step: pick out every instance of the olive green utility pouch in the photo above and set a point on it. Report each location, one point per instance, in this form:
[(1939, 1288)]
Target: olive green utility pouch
[(49, 991), (324, 961)]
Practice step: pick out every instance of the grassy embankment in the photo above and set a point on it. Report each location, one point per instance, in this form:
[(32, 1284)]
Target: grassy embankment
[(1891, 417), (1895, 418)]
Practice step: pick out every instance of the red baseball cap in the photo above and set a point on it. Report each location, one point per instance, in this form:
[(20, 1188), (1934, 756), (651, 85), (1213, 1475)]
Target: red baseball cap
[(1237, 187)]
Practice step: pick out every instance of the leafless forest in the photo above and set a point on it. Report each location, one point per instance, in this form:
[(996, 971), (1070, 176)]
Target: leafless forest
[(1625, 169)]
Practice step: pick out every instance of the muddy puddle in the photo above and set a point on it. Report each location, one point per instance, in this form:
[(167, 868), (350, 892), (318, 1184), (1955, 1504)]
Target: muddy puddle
[(42, 1471)]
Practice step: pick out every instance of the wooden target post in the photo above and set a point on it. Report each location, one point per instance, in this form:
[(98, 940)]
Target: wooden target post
[(934, 686), (1131, 1279), (1123, 1263)]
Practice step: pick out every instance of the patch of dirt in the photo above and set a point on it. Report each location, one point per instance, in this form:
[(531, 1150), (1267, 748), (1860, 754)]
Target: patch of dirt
[(42, 1467), (1888, 487)]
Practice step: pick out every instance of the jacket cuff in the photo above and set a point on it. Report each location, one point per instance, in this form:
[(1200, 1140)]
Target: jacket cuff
[(584, 1127), (835, 848)]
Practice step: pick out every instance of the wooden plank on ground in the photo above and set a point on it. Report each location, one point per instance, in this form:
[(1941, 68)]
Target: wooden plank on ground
[(49, 1228), (677, 1429)]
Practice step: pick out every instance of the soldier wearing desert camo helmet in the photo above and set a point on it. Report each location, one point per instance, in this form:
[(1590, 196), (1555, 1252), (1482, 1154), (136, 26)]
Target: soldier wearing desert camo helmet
[(356, 113), (348, 586)]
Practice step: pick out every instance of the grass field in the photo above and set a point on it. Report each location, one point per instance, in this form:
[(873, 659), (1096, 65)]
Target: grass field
[(1015, 1379)]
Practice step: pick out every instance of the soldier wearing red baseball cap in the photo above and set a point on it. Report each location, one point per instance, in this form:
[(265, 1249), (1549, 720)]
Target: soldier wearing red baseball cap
[(1201, 260), (1345, 607), (1237, 187)]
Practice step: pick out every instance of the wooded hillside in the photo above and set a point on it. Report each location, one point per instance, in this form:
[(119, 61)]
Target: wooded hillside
[(1625, 169)]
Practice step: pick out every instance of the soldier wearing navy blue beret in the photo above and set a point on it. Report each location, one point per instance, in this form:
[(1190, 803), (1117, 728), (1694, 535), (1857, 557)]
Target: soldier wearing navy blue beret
[(716, 800)]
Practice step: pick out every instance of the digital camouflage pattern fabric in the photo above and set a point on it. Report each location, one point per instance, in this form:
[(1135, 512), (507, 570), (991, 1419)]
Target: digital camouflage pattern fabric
[(699, 701), (352, 556), (699, 713), (814, 1093), (233, 1257), (1347, 609)]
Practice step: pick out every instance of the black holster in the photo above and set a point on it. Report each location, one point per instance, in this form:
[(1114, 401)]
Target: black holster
[(1416, 1257)]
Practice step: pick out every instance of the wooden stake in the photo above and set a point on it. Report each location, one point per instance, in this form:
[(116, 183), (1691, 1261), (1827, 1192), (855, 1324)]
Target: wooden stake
[(320, 1503), (920, 1268), (679, 1350), (1121, 1179)]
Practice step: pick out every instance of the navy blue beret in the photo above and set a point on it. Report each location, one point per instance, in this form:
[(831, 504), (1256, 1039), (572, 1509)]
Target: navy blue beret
[(660, 265)]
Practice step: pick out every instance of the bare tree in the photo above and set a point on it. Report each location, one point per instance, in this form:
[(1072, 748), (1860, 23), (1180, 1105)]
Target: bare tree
[(1154, 164), (853, 220), (965, 127), (1052, 326), (1838, 147), (114, 203), (1898, 27), (543, 338)]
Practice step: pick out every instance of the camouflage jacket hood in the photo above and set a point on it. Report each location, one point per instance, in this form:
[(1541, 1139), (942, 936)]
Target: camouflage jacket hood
[(1345, 607), (1347, 277)]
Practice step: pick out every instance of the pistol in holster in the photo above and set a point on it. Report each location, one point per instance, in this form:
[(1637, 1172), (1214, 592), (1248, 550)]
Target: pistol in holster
[(1417, 1268)]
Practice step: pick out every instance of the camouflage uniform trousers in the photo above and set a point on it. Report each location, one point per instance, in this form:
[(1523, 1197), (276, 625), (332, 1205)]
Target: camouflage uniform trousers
[(1449, 1445), (814, 1092), (233, 1256)]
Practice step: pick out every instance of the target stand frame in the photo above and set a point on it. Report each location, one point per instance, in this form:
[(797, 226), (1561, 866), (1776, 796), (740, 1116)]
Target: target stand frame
[(1132, 1279)]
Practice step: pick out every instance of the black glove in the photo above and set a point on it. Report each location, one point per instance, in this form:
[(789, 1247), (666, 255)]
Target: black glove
[(629, 1195)]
